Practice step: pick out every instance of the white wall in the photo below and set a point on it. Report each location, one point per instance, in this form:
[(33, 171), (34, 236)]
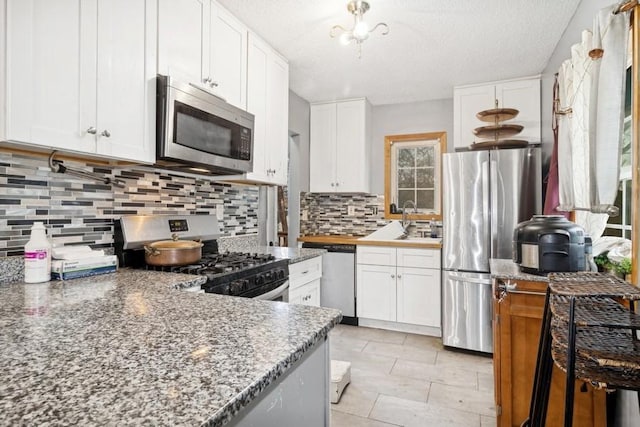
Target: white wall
[(298, 161), (398, 119)]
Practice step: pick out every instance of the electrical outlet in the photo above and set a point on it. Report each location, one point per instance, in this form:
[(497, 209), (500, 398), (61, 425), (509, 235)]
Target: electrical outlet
[(374, 210), (351, 210), (220, 212), (305, 215)]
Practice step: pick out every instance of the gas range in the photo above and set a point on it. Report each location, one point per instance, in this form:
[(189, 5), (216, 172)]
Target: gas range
[(250, 275)]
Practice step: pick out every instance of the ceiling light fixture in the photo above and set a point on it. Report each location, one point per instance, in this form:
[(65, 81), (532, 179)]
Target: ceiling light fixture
[(360, 31)]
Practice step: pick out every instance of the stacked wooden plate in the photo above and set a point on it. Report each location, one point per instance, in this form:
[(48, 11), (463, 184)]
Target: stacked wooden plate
[(497, 135)]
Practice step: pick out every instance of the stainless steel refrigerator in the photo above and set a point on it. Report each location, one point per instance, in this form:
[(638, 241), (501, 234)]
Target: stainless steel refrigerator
[(485, 195)]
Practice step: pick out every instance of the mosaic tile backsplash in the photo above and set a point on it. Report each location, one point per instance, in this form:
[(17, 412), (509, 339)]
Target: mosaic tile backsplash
[(327, 214), (81, 211)]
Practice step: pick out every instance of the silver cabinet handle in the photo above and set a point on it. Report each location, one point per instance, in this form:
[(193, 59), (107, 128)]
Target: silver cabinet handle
[(92, 130), (206, 80), (393, 276), (213, 84), (337, 183), (305, 272), (106, 133), (332, 184), (399, 276)]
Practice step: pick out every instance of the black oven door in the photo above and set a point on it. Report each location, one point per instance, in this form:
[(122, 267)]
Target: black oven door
[(276, 291)]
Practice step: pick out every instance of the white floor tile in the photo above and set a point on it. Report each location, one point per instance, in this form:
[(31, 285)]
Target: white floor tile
[(355, 401), (485, 382), (346, 343), (365, 361), (434, 373), (406, 388), (456, 359), (486, 421), (372, 334), (423, 341), (462, 398), (340, 419), (409, 413), (405, 352)]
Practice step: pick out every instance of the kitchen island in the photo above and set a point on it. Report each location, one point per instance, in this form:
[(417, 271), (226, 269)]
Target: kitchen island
[(131, 348)]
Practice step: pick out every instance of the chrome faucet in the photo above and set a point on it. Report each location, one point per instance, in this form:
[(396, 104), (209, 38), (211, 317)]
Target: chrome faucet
[(406, 223)]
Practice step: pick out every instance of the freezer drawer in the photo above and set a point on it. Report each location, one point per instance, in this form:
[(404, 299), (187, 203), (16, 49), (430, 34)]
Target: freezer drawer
[(467, 310)]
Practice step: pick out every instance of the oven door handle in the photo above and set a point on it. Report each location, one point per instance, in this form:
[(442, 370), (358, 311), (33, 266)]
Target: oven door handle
[(275, 292)]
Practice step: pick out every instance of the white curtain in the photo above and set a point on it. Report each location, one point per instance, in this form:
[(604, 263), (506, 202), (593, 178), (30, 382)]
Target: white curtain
[(592, 86)]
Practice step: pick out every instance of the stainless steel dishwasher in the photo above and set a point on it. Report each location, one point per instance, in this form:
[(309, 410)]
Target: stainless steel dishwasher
[(338, 283)]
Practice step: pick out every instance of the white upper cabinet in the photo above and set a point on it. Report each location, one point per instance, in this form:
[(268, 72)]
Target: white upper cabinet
[(521, 94), (81, 76), (183, 39), (201, 43), (228, 57), (268, 101), (339, 154)]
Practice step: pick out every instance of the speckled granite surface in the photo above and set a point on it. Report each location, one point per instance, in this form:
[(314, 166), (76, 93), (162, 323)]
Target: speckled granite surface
[(126, 348), (243, 243), (11, 269), (507, 269), (293, 254)]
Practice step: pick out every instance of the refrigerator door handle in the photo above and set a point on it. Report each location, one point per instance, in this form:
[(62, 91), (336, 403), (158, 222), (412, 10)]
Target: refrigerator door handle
[(493, 172), (486, 213), (469, 279)]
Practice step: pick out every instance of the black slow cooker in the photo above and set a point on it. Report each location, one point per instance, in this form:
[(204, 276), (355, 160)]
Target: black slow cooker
[(550, 243)]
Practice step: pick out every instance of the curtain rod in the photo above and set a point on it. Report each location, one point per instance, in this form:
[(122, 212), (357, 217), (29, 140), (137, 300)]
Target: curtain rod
[(625, 7)]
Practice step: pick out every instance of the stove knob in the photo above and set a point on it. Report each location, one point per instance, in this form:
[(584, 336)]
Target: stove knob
[(259, 279), (280, 274), (268, 275), (245, 284)]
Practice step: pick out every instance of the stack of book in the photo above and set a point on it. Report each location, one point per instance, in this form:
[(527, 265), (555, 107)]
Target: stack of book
[(72, 262)]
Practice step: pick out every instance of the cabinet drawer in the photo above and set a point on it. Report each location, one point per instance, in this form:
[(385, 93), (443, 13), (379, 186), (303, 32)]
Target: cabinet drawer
[(304, 272), (376, 255), (419, 258), (308, 294)]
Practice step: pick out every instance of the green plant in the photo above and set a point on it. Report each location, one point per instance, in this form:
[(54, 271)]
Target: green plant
[(602, 261), (623, 267)]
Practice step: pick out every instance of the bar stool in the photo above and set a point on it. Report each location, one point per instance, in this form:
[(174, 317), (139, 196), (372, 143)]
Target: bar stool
[(588, 334)]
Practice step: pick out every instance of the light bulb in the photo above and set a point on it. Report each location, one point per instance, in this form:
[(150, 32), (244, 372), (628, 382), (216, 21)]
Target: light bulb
[(346, 38), (361, 30)]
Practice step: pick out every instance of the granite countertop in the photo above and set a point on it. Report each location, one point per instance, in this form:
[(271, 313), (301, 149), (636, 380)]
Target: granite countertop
[(507, 269), (355, 240), (293, 254), (129, 348)]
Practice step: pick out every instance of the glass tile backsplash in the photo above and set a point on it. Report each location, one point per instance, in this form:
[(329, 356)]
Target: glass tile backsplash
[(81, 211)]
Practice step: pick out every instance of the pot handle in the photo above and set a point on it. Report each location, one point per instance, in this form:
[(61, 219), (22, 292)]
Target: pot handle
[(151, 251)]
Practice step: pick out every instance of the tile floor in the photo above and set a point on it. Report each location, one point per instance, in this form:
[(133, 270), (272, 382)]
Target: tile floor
[(400, 379)]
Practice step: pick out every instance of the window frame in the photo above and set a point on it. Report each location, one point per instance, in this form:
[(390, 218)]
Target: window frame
[(440, 139)]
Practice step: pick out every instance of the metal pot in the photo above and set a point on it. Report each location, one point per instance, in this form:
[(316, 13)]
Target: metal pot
[(173, 252)]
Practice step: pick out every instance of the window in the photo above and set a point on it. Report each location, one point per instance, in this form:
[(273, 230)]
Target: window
[(620, 226), (413, 173)]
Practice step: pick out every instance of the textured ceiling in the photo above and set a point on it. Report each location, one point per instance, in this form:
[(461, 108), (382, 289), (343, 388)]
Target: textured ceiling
[(432, 45)]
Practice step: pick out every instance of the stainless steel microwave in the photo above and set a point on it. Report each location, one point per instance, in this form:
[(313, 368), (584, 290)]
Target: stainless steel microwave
[(198, 132)]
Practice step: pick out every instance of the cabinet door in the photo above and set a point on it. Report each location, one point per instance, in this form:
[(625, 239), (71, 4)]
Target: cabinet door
[(257, 103), (523, 95), (467, 102), (376, 292), (228, 59), (308, 294), (322, 149), (350, 157), (418, 296), (278, 118), (51, 76), (517, 321), (376, 255), (183, 39), (126, 79)]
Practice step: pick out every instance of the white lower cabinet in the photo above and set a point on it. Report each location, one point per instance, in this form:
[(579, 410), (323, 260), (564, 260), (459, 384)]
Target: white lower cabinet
[(398, 285), (304, 282)]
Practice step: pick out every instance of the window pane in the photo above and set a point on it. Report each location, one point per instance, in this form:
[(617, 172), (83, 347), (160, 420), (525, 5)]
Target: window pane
[(627, 208), (406, 178), (425, 156), (406, 157), (426, 199), (403, 196), (425, 177), (611, 232)]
